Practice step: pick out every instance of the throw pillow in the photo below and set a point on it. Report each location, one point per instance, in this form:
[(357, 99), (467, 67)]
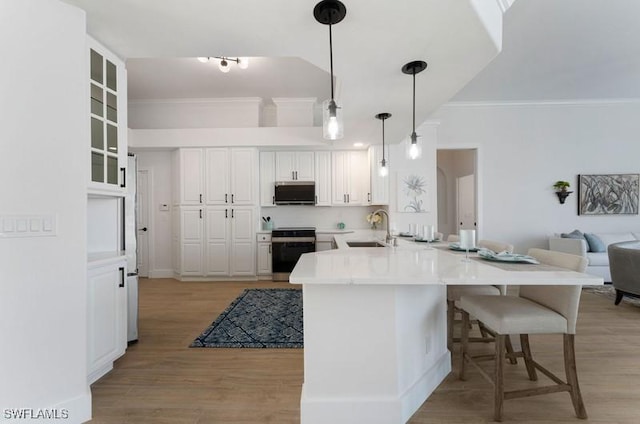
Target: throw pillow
[(575, 234), (594, 242)]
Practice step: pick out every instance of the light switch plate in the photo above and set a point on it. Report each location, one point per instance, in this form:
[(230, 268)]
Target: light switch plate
[(28, 226)]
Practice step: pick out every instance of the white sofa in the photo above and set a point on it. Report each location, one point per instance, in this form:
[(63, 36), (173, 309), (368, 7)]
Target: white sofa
[(598, 261)]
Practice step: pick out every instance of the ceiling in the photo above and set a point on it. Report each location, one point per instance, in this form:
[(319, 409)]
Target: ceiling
[(564, 50), (373, 42), (551, 50)]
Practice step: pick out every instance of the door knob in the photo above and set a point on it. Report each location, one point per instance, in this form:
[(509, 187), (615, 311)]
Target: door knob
[(143, 229)]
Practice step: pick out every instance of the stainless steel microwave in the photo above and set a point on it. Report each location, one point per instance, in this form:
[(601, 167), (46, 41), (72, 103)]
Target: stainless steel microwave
[(295, 193)]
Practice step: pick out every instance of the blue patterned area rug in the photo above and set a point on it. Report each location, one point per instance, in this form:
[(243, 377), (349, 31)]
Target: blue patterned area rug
[(258, 318)]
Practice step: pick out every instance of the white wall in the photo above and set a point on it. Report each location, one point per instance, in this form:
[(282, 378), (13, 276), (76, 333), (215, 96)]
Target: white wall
[(158, 164), (44, 164), (399, 165), (525, 148)]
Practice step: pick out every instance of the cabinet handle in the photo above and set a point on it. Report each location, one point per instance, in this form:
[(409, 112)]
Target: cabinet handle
[(231, 213), (200, 213), (273, 200), (293, 175), (344, 198), (232, 201), (348, 198), (201, 198), (121, 269), (226, 215), (369, 197), (123, 184), (225, 198), (296, 175), (269, 249), (316, 200)]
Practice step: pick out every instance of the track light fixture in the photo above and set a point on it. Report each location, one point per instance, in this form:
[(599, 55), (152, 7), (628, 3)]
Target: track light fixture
[(384, 170), (414, 151), (330, 12), (223, 65)]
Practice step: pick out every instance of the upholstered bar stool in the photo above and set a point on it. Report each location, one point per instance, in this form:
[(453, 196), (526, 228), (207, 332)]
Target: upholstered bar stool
[(536, 310), (454, 293)]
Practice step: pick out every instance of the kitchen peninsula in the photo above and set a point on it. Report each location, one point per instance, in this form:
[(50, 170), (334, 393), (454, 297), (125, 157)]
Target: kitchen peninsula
[(375, 324)]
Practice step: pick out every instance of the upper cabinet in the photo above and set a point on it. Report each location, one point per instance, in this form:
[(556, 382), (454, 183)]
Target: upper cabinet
[(216, 176), (267, 179), (379, 184), (350, 182), (295, 166), (323, 178), (107, 97)]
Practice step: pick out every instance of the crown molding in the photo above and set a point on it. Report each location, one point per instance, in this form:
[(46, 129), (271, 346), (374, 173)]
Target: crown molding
[(516, 103), (219, 100)]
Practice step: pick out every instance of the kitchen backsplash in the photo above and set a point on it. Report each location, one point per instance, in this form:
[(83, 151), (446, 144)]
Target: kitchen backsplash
[(323, 218)]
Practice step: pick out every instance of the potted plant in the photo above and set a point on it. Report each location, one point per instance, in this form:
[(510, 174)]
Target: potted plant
[(561, 190), (561, 185)]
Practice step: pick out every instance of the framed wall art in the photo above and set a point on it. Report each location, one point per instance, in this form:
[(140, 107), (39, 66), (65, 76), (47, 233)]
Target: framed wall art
[(610, 194), (412, 193)]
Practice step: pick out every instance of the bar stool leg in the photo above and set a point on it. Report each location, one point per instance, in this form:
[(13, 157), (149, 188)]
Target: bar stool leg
[(572, 375), (498, 394), (464, 343), (528, 359)]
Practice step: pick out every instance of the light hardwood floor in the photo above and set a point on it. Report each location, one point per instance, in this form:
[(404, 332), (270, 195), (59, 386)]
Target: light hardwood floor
[(161, 380)]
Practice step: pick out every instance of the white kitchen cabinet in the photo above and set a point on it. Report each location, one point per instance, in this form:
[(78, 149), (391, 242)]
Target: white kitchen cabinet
[(350, 178), (106, 315), (191, 240), (217, 241), (190, 179), (243, 243), (264, 255), (107, 101), (379, 185), (295, 166), (323, 178), (216, 176), (267, 179)]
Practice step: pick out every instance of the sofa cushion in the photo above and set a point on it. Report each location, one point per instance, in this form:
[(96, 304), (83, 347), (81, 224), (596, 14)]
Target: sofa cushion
[(575, 234), (594, 242), (609, 238), (598, 258)]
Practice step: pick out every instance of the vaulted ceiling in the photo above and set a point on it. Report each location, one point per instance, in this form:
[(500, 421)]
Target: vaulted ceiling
[(457, 39)]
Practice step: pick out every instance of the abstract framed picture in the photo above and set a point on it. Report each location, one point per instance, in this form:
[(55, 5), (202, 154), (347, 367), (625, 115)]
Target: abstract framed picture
[(610, 194), (412, 193)]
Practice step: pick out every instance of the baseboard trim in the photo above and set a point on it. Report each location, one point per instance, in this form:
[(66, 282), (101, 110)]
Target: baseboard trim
[(375, 409), (78, 408), (161, 273)]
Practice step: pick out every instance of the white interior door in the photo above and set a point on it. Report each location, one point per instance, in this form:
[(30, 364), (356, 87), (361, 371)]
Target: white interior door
[(466, 189), (142, 222)]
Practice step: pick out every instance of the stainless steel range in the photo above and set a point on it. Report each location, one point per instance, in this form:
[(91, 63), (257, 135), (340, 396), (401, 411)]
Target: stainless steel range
[(287, 244)]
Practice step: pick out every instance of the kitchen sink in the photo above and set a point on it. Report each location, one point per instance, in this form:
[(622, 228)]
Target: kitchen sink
[(365, 244)]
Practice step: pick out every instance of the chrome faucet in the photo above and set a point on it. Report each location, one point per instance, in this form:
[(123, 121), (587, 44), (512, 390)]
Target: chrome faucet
[(388, 238)]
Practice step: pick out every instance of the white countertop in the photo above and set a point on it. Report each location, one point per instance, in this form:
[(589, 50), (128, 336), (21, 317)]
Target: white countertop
[(412, 263)]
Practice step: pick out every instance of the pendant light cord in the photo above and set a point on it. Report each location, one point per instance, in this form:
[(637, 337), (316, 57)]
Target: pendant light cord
[(331, 59), (414, 101), (383, 139)]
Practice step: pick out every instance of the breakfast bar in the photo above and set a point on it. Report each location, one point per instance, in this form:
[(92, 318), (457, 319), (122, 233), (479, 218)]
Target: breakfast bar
[(375, 325)]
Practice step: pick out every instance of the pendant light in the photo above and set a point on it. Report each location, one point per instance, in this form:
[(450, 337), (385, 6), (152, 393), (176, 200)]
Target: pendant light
[(384, 170), (330, 12), (414, 150)]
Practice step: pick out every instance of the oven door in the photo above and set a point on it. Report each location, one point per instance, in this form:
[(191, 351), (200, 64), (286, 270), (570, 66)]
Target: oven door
[(286, 251)]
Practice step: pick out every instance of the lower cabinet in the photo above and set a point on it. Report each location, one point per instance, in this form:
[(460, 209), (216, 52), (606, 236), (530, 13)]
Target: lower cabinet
[(106, 316), (264, 255), (216, 241)]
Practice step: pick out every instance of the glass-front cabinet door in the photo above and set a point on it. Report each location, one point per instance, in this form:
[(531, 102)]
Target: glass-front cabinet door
[(107, 90)]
